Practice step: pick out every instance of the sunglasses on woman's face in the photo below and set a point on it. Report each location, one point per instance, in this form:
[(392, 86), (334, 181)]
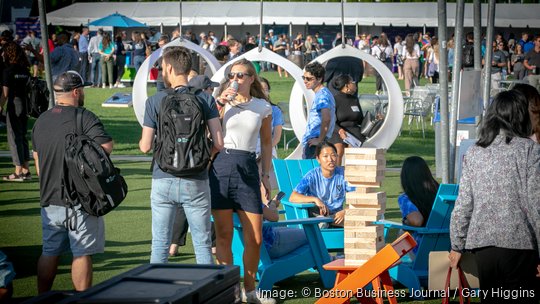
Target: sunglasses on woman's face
[(240, 75), (308, 78)]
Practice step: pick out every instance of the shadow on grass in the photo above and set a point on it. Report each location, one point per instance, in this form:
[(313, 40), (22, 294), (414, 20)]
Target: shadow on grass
[(21, 212)]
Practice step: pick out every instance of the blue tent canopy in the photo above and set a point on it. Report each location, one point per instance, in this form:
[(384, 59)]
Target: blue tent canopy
[(117, 20)]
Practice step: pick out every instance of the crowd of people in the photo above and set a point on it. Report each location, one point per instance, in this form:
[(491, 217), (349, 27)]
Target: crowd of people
[(244, 126)]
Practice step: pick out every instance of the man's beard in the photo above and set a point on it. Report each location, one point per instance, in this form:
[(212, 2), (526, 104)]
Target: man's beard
[(81, 101), (166, 80)]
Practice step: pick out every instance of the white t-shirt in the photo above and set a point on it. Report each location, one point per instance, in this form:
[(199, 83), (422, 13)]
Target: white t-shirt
[(414, 55), (398, 48), (242, 124), (378, 49)]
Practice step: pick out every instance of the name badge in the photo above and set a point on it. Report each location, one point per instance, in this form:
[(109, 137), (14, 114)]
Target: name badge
[(355, 109)]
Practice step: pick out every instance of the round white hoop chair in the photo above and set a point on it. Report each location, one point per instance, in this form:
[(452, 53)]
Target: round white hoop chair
[(389, 130), (139, 92), (298, 92)]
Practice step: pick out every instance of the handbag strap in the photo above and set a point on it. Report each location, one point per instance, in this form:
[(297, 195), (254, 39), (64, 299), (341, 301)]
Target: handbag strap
[(446, 299), (462, 284)]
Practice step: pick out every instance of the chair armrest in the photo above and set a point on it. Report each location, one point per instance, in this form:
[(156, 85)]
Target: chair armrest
[(419, 230), (308, 221), (297, 205), (448, 197)]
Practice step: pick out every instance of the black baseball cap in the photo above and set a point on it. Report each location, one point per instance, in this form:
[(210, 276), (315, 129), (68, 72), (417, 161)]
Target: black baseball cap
[(202, 82), (68, 81)]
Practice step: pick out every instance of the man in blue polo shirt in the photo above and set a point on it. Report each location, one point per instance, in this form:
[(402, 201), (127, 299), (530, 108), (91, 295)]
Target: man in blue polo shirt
[(322, 115)]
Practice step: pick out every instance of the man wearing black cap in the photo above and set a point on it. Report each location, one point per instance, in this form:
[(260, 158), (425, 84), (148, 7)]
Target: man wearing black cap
[(89, 237)]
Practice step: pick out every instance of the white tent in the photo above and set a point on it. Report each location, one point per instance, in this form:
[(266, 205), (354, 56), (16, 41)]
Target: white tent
[(297, 13)]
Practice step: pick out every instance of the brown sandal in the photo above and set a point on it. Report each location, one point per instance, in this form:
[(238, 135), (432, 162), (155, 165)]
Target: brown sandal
[(13, 178)]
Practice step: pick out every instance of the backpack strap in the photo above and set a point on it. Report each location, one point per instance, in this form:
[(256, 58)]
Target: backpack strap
[(79, 121)]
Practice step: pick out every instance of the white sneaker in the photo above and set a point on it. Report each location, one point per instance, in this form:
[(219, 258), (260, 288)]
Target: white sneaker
[(255, 298), (111, 86), (103, 86), (121, 85)]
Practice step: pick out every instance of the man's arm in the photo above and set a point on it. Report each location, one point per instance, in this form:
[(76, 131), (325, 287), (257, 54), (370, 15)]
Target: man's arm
[(301, 198), (326, 117), (108, 147), (216, 132), (147, 137), (36, 161)]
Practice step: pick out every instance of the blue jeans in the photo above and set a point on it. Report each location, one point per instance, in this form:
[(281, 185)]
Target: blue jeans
[(194, 195), (138, 61), (96, 66), (286, 240)]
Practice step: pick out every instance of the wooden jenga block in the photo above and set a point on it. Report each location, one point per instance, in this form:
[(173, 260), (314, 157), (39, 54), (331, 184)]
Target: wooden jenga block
[(353, 205), (364, 179), (363, 190), (363, 184), (353, 171), (365, 243), (373, 199), (378, 163), (364, 151), (365, 156), (376, 230)]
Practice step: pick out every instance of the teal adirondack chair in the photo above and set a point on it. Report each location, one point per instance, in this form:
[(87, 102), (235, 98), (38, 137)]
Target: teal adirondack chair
[(288, 174), (310, 256), (436, 237)]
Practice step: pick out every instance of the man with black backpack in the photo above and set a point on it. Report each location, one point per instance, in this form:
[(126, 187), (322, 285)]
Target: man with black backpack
[(48, 137), (176, 125)]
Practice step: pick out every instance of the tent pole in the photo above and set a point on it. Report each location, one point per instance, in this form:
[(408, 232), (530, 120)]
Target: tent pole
[(261, 39), (477, 22), (46, 57), (489, 53), (343, 40), (356, 32), (180, 24), (460, 15), (225, 30), (443, 78)]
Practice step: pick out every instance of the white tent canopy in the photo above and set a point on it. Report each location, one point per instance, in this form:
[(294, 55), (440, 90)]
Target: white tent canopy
[(297, 13)]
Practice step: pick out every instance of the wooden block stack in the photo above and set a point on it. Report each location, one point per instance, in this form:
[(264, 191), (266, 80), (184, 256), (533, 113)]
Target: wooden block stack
[(364, 169)]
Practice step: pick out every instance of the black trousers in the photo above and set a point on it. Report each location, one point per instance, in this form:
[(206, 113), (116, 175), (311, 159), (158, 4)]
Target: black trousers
[(17, 126), (85, 66), (508, 275)]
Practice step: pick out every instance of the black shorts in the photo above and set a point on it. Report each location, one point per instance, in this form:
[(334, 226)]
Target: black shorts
[(235, 182)]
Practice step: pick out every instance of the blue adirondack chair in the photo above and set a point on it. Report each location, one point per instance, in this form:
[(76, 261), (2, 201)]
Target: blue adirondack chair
[(310, 256), (413, 274), (288, 174)]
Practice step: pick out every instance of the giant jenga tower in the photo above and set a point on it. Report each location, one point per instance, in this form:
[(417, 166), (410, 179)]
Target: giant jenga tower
[(364, 169)]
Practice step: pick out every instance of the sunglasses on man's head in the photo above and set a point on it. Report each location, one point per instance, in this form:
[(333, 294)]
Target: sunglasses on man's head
[(308, 78), (240, 75)]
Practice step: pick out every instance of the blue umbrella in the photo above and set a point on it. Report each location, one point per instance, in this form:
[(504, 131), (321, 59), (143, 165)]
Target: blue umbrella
[(117, 20)]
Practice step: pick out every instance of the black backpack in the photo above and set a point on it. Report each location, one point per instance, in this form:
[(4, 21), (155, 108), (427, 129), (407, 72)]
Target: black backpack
[(382, 55), (89, 177), (38, 97), (468, 56), (181, 147)]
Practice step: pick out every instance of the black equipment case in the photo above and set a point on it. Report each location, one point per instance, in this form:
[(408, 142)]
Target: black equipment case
[(167, 283)]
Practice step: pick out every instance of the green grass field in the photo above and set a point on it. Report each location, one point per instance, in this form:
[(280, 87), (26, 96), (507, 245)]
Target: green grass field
[(128, 228)]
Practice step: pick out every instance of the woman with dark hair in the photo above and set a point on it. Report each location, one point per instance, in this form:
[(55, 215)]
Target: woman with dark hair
[(325, 186), (106, 50), (496, 215), (15, 76), (234, 176), (517, 62), (532, 95), (120, 62), (349, 114), (420, 189)]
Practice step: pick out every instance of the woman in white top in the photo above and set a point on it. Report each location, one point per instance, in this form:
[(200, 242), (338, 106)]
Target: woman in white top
[(411, 65), (398, 54), (234, 176), (382, 51)]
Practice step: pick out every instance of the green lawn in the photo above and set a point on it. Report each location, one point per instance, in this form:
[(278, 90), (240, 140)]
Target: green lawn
[(128, 228)]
